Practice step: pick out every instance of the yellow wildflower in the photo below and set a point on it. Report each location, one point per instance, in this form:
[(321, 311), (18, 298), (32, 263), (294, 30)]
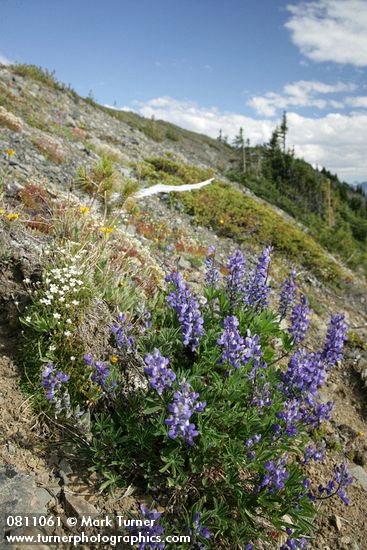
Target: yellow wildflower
[(10, 152), (114, 359), (106, 230), (13, 216), (84, 209), (2, 211), (221, 221), (360, 434)]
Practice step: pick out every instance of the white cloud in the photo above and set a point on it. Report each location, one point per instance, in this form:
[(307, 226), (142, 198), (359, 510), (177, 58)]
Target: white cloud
[(336, 141), (330, 30), (357, 101), (4, 60), (205, 120), (303, 93)]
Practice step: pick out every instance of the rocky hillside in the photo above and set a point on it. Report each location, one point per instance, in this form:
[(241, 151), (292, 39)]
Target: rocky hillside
[(64, 158)]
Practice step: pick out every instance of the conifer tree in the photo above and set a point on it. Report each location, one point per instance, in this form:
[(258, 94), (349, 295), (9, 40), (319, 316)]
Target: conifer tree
[(283, 130), (239, 144)]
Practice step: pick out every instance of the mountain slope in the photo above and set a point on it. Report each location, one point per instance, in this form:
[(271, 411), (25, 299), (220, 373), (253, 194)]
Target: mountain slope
[(54, 133), (67, 171)]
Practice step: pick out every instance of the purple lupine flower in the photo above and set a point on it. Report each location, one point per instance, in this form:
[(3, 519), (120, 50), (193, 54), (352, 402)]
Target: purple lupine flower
[(294, 544), (147, 319), (122, 330), (238, 351), (184, 405), (253, 351), (234, 279), (145, 532), (306, 372), (52, 381), (232, 343), (160, 377), (291, 415), (257, 290), (101, 373), (198, 529), (275, 476), (314, 453), (315, 413), (262, 397), (212, 273), (337, 485), (88, 358), (299, 320), (287, 294), (335, 340), (343, 479), (250, 442), (187, 309)]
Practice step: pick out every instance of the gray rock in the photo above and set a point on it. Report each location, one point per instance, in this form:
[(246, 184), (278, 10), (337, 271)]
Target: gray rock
[(65, 466), (29, 532), (347, 432), (338, 522), (323, 397), (20, 494), (184, 264), (78, 506), (69, 121), (360, 458), (11, 449), (131, 229), (64, 478), (360, 475)]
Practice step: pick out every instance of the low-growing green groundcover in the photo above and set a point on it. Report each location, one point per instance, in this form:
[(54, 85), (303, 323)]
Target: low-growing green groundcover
[(224, 411)]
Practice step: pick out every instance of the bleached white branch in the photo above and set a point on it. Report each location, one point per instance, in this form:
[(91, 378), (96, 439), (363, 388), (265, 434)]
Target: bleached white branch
[(161, 188)]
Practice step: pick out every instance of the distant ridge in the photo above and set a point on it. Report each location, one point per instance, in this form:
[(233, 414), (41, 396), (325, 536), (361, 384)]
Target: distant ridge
[(363, 184)]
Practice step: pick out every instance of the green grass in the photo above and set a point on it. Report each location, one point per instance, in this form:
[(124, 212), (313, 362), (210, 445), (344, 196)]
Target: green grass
[(304, 197), (44, 76), (232, 214), (168, 170)]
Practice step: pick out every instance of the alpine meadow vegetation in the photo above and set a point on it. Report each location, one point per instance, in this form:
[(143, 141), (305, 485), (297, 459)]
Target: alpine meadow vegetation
[(208, 403)]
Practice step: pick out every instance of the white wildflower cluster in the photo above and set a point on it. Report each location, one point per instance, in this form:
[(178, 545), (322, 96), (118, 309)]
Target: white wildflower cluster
[(62, 289), (62, 286)]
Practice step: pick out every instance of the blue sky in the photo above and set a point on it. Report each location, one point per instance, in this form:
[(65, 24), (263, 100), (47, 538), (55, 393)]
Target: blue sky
[(210, 64)]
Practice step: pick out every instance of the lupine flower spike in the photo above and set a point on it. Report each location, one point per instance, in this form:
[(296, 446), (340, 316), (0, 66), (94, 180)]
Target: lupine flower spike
[(234, 280), (187, 309), (300, 320), (335, 340), (153, 532), (52, 382), (185, 404), (160, 376), (288, 294), (257, 290)]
